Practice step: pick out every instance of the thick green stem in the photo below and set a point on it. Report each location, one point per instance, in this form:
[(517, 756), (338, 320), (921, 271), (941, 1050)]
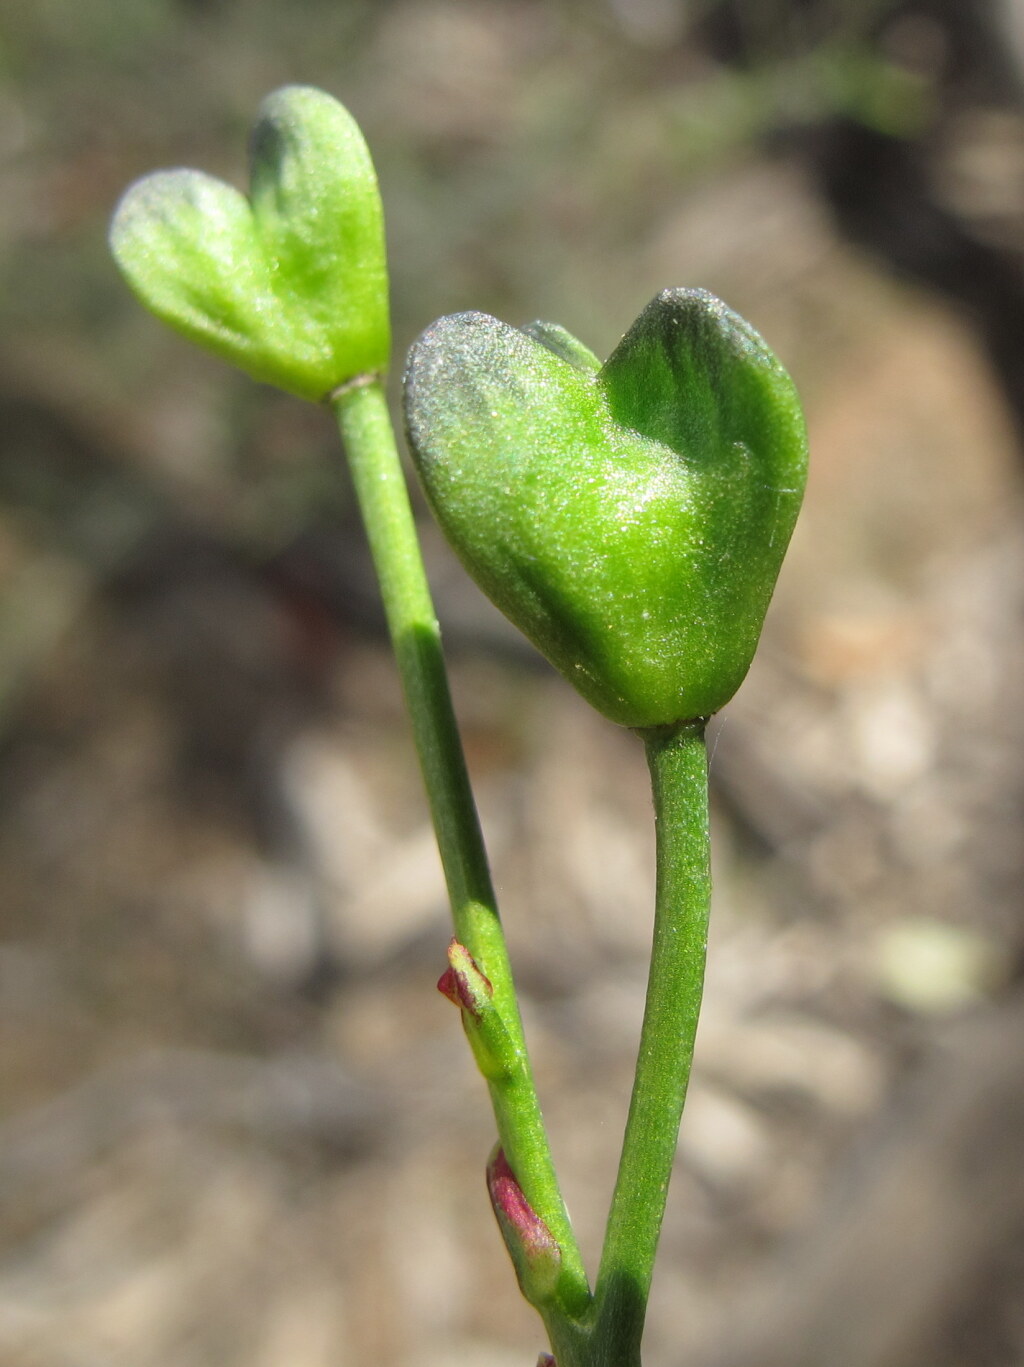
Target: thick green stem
[(365, 425), (678, 762)]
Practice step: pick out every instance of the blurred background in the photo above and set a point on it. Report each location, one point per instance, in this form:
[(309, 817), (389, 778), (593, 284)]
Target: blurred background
[(238, 1126)]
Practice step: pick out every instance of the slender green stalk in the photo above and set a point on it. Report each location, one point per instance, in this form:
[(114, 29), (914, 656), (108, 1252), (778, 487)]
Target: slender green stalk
[(364, 422), (679, 773)]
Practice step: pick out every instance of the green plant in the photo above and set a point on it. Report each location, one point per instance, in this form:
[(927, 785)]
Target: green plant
[(631, 518)]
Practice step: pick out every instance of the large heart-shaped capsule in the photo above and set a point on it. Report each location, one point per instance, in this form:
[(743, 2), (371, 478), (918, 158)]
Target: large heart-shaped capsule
[(630, 518), (290, 284)]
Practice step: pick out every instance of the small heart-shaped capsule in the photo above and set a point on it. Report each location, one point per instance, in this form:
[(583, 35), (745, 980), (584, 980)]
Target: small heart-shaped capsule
[(630, 519), (291, 284)]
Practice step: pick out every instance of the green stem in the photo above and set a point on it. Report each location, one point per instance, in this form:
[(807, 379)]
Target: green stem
[(679, 773), (365, 425)]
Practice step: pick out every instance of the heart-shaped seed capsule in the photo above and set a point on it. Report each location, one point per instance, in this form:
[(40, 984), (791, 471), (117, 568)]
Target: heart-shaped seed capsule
[(290, 284), (630, 518)]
